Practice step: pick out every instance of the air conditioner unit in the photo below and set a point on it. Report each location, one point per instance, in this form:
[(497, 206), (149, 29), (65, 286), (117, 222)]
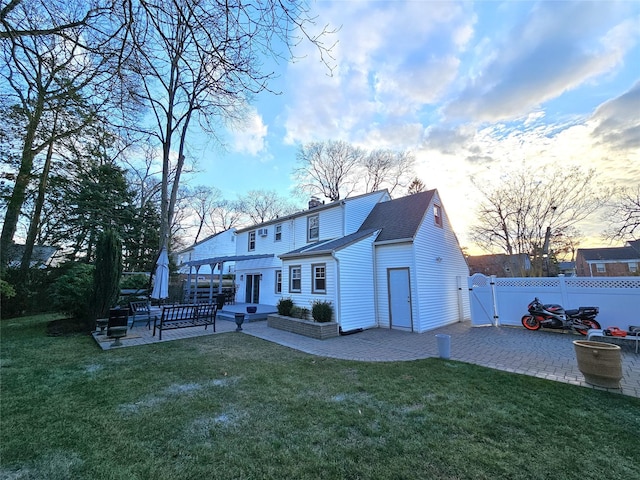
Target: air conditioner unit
[(262, 232)]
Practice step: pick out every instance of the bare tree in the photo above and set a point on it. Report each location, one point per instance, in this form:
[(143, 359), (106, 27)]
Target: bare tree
[(59, 84), (328, 168), (203, 200), (225, 215), (264, 205), (47, 25), (623, 215), (514, 217), (200, 61), (387, 169)]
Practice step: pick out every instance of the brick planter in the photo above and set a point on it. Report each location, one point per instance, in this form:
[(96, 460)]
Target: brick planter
[(307, 328)]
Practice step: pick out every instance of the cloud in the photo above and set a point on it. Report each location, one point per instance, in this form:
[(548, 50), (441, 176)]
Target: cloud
[(557, 48), (392, 59), (475, 90), (618, 121), (249, 136)]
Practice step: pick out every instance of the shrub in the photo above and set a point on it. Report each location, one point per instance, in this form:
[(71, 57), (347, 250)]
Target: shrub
[(72, 291), (322, 311), (285, 305), (6, 289), (138, 281), (299, 312)]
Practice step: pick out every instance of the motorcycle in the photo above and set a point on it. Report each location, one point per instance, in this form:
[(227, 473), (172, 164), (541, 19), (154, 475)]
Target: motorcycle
[(555, 316)]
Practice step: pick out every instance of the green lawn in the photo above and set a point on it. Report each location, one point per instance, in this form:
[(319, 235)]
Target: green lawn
[(233, 406)]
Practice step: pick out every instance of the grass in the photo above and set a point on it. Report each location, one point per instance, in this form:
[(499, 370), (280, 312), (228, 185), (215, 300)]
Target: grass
[(231, 406)]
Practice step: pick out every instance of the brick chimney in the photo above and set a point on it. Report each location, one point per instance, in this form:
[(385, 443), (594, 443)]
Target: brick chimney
[(314, 202)]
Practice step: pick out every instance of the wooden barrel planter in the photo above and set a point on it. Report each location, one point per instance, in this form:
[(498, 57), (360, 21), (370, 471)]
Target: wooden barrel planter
[(600, 363)]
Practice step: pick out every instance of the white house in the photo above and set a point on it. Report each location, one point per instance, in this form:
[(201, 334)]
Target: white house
[(221, 244), (380, 262)]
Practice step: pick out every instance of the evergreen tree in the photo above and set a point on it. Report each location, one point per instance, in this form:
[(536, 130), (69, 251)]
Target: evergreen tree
[(106, 277)]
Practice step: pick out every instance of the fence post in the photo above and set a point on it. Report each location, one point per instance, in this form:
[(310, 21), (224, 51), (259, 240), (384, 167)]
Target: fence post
[(460, 305), (496, 316), (563, 291)]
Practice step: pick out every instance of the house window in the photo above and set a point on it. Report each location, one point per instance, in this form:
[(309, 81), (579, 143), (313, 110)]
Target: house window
[(600, 268), (278, 281), (313, 228), (295, 279), (437, 215), (319, 278), (252, 241), (277, 236), (633, 267)]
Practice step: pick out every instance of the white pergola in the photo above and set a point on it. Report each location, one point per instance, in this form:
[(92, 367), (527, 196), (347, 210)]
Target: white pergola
[(213, 262)]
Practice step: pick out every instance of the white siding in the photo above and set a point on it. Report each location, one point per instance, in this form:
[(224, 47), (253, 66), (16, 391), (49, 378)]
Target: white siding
[(221, 245), (359, 208), (398, 255), (439, 261), (264, 266), (356, 303), (305, 298)]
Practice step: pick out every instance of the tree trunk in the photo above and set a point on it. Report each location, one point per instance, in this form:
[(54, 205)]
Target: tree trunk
[(14, 206), (37, 211)]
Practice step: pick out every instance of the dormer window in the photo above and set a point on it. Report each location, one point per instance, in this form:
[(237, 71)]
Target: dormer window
[(313, 228)]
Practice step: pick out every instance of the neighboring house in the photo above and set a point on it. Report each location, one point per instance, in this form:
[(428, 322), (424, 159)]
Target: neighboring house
[(610, 261), (500, 265), (568, 269), (221, 244), (41, 256), (380, 262)]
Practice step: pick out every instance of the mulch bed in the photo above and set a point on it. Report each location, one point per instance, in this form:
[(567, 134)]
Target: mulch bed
[(67, 327)]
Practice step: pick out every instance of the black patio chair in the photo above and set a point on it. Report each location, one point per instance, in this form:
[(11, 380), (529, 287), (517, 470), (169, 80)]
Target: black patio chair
[(117, 325)]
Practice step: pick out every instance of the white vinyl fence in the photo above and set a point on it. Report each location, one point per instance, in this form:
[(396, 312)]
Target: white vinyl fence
[(503, 301)]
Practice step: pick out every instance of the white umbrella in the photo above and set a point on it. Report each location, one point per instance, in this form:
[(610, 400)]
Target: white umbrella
[(161, 277)]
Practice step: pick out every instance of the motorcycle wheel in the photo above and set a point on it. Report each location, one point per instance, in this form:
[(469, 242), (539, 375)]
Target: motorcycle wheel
[(531, 323), (583, 326)]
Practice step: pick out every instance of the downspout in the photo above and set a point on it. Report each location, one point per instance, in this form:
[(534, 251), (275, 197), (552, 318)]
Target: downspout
[(337, 297), (375, 282)]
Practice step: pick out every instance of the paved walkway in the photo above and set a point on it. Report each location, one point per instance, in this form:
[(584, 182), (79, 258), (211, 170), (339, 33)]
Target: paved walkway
[(543, 354)]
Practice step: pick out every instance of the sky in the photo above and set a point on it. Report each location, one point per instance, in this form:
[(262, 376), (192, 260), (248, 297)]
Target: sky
[(472, 89)]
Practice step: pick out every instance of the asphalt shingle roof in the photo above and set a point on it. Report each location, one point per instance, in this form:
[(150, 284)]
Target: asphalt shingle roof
[(609, 253), (399, 219)]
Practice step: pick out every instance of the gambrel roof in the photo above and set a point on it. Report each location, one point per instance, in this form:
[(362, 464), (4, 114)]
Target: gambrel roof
[(399, 219)]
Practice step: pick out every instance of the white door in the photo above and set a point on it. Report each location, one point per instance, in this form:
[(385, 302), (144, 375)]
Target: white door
[(399, 298)]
